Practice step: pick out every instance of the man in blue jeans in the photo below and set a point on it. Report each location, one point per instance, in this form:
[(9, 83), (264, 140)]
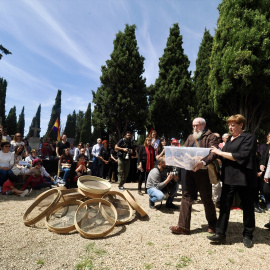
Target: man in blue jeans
[(157, 187)]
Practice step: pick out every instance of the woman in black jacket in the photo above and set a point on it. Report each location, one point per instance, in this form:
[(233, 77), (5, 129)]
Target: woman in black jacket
[(239, 174)]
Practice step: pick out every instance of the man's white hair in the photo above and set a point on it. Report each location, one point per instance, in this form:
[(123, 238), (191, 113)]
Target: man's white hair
[(225, 134), (201, 120)]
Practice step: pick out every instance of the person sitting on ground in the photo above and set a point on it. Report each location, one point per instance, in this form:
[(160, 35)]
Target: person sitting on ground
[(77, 169), (9, 189), (32, 155), (17, 140), (6, 162), (157, 187), (35, 180), (65, 164), (18, 153)]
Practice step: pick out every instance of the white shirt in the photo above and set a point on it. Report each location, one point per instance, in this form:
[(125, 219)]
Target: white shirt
[(96, 149), (6, 159)]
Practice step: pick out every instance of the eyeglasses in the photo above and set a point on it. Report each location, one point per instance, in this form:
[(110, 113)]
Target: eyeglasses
[(7, 146), (197, 125)]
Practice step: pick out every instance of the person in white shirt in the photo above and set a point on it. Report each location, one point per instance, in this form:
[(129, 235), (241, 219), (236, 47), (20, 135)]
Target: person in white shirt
[(95, 153), (6, 162)]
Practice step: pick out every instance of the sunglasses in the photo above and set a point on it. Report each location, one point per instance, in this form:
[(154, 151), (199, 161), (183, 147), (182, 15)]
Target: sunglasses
[(7, 146)]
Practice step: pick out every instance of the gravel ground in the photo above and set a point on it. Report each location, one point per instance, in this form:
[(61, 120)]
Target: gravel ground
[(143, 243)]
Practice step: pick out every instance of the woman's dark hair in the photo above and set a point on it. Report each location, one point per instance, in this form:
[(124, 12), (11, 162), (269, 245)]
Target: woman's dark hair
[(81, 155), (4, 143), (160, 146), (64, 151), (16, 148)]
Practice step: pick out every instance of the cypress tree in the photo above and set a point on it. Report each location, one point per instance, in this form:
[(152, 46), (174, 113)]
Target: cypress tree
[(70, 125), (79, 123), (204, 105), (240, 61), (56, 111), (3, 91), (170, 97), (121, 100), (11, 121), (86, 134), (35, 123), (21, 123)]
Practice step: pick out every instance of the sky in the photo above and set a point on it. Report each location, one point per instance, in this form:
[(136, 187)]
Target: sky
[(62, 44)]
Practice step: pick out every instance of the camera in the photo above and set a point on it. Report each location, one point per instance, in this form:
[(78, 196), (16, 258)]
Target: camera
[(127, 154), (172, 170)]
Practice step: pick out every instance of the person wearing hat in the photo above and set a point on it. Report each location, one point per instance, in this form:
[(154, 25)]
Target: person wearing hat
[(174, 142)]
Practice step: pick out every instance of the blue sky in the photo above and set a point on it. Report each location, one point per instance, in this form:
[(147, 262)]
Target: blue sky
[(62, 44)]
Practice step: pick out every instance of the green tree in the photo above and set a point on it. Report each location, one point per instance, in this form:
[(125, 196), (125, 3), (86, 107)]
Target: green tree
[(70, 128), (3, 91), (121, 100), (170, 97), (204, 106), (21, 123), (4, 51), (79, 123), (11, 121), (35, 123), (240, 61), (56, 111), (86, 134)]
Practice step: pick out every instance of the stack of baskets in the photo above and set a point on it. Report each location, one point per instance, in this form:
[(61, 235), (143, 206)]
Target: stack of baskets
[(91, 209)]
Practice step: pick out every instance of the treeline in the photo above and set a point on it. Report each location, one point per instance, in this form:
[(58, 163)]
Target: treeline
[(232, 76)]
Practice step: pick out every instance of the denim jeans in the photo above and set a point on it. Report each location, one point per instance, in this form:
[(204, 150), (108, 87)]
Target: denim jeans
[(155, 194), (66, 173), (95, 168), (4, 175)]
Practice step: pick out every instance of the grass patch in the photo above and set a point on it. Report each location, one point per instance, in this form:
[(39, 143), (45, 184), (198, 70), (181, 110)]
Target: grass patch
[(210, 252), (147, 266), (40, 262), (84, 264), (240, 250), (150, 243), (231, 261), (183, 262), (87, 261)]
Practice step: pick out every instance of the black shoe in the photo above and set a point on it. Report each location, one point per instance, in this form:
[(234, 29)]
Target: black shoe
[(267, 225), (171, 206), (263, 211), (151, 204), (247, 242), (219, 239)]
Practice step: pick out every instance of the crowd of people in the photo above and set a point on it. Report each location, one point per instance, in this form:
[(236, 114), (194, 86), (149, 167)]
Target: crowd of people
[(242, 168)]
